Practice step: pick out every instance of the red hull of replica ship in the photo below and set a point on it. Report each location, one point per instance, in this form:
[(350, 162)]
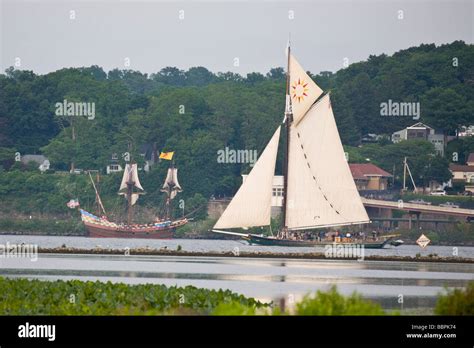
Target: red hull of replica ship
[(101, 228)]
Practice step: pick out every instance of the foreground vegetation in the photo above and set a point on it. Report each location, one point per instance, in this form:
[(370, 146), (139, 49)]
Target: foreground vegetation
[(457, 302), (74, 297)]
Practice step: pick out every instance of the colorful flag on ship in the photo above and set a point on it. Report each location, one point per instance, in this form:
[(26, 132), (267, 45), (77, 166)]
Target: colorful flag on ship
[(167, 155), (73, 203)]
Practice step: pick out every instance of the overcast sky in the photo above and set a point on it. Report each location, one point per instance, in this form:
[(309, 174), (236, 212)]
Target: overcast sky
[(212, 34)]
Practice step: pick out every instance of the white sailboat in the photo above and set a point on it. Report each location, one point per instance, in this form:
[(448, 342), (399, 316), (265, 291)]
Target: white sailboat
[(319, 190)]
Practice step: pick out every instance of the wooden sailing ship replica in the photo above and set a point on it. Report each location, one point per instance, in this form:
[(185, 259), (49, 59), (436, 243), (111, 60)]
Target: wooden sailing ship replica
[(131, 189), (319, 190)]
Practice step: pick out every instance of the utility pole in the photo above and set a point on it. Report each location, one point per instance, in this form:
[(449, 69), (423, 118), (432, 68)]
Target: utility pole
[(405, 169), (404, 174)]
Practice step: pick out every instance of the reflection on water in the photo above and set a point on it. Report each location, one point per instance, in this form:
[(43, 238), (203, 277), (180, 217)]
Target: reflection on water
[(265, 279)]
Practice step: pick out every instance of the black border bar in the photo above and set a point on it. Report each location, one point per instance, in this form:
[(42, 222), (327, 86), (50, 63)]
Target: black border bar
[(241, 331)]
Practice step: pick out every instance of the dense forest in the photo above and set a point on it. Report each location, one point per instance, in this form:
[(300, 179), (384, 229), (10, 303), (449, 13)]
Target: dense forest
[(196, 113)]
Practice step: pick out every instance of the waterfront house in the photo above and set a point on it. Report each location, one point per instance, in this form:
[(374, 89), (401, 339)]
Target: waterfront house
[(114, 165), (422, 131), (464, 173), (368, 176)]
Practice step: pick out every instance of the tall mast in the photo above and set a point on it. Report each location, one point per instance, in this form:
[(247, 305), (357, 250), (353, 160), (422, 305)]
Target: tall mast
[(129, 202), (288, 121)]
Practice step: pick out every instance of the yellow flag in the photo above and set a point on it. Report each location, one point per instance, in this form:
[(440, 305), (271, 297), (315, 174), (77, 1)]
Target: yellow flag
[(167, 155)]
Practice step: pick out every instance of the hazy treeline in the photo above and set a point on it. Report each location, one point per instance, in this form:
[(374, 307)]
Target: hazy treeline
[(196, 113)]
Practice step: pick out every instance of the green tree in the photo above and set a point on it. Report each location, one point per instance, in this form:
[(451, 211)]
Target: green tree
[(198, 76), (276, 74), (445, 109), (456, 302)]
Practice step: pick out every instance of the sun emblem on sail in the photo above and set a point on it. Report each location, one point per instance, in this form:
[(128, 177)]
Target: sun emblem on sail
[(299, 90)]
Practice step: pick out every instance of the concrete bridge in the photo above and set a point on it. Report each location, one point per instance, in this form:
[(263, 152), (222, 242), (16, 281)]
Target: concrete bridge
[(380, 210), (419, 208)]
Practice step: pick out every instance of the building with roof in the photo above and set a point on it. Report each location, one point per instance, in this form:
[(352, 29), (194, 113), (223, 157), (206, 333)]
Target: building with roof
[(149, 153), (421, 131), (464, 173), (368, 176), (466, 131), (114, 165), (417, 131)]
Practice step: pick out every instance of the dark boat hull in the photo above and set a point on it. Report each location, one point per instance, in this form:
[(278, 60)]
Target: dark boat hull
[(261, 240)]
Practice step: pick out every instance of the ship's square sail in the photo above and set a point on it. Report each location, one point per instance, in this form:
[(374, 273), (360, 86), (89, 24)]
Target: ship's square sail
[(302, 90), (321, 190), (171, 184), (251, 205), (130, 174), (134, 196)]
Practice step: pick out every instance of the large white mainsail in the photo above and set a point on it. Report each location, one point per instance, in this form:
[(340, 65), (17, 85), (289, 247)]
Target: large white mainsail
[(321, 190), (251, 205)]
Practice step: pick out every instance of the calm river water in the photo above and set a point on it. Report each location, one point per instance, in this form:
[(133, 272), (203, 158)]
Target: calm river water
[(265, 279)]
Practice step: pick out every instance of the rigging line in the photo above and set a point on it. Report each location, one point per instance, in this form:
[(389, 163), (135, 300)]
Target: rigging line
[(324, 94), (314, 177), (317, 101), (97, 194), (195, 210)]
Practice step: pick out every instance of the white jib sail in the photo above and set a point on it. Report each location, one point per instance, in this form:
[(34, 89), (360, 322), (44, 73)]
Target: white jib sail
[(251, 205), (321, 190)]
